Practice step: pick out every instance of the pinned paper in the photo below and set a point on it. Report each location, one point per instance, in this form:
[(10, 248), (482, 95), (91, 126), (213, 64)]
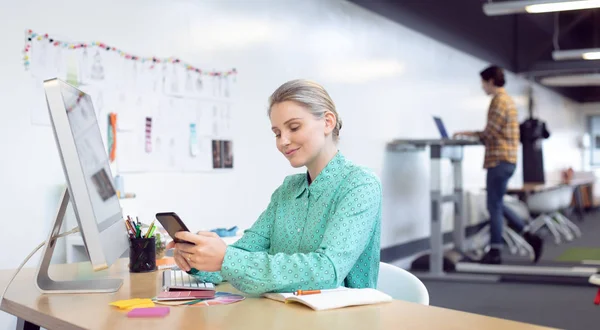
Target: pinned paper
[(130, 304), (193, 140)]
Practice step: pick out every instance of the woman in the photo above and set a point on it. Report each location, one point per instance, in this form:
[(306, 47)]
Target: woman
[(321, 229)]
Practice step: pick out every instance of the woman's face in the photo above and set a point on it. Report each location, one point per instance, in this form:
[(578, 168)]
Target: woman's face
[(299, 135)]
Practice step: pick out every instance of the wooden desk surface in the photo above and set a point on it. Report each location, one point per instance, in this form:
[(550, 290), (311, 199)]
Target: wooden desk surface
[(537, 187), (532, 188), (91, 311)]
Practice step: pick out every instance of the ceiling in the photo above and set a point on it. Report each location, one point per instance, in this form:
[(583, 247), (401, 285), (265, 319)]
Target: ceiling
[(520, 43)]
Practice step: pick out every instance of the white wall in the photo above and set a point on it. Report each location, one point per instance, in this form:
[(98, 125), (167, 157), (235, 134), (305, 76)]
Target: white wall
[(386, 80)]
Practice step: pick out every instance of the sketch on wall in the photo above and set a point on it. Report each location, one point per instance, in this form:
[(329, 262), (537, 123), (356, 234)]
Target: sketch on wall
[(168, 112)]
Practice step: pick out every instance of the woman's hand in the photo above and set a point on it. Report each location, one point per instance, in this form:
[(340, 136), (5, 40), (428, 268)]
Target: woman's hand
[(207, 254)]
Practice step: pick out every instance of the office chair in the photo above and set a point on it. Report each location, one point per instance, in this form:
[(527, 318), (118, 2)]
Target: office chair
[(401, 284)]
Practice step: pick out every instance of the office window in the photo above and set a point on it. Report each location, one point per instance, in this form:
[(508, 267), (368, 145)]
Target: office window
[(594, 131)]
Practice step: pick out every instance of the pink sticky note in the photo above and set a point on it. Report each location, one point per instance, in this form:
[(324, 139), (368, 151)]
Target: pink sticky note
[(149, 312)]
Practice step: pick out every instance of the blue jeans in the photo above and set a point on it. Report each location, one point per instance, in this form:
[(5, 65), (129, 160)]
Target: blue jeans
[(496, 182)]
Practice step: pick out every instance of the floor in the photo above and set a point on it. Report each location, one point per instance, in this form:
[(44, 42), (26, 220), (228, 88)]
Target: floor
[(559, 306)]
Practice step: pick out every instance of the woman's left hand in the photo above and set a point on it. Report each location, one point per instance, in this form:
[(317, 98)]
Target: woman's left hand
[(208, 252)]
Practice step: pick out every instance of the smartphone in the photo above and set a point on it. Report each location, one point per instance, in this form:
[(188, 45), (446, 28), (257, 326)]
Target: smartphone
[(172, 224)]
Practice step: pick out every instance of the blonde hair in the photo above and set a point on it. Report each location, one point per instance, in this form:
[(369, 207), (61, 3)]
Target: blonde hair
[(311, 96)]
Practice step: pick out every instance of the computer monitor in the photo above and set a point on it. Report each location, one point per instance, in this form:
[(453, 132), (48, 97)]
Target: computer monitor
[(90, 189), (440, 125)]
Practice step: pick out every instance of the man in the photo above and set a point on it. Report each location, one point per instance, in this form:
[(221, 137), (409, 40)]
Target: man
[(501, 139)]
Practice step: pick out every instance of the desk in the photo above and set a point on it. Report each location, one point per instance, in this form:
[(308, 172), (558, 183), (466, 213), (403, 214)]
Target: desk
[(529, 188), (91, 311), (438, 150)]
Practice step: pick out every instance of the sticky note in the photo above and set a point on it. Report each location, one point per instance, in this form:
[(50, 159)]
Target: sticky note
[(149, 312), (150, 304), (132, 303)]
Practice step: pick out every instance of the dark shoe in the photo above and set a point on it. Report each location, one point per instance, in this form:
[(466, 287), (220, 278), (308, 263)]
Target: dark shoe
[(537, 243), (491, 258)]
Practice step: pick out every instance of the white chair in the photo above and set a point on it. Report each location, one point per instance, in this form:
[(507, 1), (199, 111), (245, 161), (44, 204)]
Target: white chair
[(566, 197), (547, 203), (401, 284), (479, 243)]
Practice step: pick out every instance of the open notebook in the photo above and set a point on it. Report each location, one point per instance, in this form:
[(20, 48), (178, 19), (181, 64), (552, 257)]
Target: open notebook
[(335, 298)]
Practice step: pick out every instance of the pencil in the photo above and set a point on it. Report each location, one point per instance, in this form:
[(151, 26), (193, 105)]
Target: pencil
[(149, 229), (129, 229)]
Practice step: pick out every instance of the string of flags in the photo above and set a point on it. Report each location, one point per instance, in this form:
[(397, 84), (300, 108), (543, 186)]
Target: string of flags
[(31, 35)]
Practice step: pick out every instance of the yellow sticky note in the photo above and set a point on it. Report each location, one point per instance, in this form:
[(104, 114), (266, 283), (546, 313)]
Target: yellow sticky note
[(146, 305), (131, 303)]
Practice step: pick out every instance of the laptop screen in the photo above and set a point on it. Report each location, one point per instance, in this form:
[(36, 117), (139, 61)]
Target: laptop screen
[(441, 127)]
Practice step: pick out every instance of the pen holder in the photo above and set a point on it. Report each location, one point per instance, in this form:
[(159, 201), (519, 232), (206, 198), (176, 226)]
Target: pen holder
[(142, 255)]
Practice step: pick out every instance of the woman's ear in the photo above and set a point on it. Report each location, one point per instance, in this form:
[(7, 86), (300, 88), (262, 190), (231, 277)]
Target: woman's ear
[(330, 122)]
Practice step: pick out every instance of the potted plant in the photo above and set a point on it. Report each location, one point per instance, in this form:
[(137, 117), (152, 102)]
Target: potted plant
[(160, 246)]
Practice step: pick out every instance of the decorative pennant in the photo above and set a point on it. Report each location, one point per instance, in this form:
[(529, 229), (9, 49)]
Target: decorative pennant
[(97, 71)]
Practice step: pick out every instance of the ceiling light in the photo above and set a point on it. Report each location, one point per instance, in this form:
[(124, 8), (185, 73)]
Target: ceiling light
[(537, 6), (591, 56), (576, 54), (578, 80)]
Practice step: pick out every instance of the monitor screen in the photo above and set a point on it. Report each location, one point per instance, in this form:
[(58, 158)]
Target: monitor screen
[(441, 127), (93, 157)]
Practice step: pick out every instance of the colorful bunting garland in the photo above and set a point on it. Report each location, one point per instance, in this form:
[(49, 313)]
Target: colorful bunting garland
[(31, 35)]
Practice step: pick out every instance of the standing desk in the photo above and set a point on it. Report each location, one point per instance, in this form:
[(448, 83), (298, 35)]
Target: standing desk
[(438, 150), (91, 311), (467, 271)]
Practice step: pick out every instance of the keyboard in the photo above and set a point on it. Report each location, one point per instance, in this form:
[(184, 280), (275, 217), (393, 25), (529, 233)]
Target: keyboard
[(177, 279)]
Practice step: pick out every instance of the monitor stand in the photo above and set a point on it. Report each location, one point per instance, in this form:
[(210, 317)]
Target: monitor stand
[(48, 285)]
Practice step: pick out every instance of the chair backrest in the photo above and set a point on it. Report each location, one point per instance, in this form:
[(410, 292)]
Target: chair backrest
[(546, 201), (401, 284), (566, 196), (518, 207)]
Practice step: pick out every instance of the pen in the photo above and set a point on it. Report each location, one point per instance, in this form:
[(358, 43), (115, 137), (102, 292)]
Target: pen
[(133, 227), (308, 292)]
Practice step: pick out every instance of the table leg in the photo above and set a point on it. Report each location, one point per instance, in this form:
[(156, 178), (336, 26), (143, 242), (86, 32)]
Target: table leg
[(26, 325), (579, 202), (459, 211), (436, 259)]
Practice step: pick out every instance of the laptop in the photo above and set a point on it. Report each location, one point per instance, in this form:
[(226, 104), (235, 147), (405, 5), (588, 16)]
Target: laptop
[(440, 126), (444, 133)]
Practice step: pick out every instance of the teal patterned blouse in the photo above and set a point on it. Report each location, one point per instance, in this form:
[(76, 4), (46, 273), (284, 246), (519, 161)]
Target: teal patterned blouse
[(320, 235)]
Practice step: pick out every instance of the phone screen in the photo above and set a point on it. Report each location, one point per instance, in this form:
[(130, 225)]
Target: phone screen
[(172, 224)]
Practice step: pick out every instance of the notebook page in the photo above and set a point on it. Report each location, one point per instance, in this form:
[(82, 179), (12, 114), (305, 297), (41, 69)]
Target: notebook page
[(338, 299), (278, 296)]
